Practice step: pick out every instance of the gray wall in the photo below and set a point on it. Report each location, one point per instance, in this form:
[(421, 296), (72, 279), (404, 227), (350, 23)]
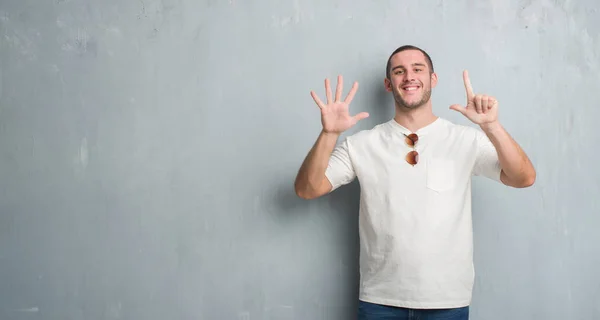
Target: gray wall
[(148, 151)]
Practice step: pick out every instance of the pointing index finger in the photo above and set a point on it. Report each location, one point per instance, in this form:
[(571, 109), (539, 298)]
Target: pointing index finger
[(468, 86)]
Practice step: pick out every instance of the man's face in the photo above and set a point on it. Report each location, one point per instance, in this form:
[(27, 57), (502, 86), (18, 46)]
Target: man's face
[(410, 79)]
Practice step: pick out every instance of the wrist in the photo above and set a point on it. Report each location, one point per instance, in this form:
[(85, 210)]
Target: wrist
[(330, 134), (491, 126)]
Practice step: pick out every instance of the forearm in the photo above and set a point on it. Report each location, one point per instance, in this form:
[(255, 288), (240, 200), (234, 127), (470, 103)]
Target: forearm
[(516, 166), (311, 175)]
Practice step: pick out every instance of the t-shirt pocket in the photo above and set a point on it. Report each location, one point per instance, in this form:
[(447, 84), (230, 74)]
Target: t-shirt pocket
[(441, 175)]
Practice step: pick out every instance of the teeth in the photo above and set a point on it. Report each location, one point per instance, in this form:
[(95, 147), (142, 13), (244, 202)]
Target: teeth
[(410, 88)]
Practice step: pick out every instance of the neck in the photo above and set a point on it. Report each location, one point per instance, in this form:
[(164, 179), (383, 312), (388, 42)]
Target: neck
[(415, 119)]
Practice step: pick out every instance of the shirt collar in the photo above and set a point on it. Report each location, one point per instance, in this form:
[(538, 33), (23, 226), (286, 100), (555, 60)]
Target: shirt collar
[(421, 132)]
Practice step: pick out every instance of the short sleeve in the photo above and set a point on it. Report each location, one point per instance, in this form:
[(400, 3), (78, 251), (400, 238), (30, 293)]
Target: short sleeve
[(487, 163), (340, 170)]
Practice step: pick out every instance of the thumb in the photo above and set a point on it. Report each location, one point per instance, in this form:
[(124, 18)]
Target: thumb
[(459, 108), (360, 116)]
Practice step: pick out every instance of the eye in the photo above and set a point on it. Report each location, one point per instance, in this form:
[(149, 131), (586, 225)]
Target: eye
[(418, 70)]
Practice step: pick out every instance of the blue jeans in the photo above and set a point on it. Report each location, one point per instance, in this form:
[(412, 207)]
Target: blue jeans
[(371, 311)]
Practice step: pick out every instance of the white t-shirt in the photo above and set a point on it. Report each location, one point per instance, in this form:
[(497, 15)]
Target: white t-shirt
[(415, 228)]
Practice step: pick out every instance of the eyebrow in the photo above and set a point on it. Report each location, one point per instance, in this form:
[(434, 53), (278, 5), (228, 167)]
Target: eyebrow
[(414, 64)]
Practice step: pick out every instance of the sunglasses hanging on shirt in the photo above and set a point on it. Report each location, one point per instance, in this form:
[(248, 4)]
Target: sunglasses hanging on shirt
[(413, 156)]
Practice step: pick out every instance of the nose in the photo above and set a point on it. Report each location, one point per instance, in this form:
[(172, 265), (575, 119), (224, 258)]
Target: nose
[(409, 76)]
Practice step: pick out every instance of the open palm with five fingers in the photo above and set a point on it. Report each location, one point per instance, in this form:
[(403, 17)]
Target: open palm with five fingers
[(480, 109), (335, 115)]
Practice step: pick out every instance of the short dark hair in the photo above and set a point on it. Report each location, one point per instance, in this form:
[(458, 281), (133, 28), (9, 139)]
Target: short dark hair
[(403, 48)]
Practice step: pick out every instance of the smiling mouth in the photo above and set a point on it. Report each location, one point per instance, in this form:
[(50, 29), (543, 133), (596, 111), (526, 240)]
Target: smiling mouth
[(410, 88)]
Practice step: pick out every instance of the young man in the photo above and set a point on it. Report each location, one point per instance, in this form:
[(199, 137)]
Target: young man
[(415, 174)]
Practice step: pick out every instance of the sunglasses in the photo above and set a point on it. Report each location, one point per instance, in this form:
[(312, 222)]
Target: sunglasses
[(412, 157)]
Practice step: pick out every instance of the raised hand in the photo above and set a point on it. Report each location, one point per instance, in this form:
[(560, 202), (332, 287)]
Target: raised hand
[(480, 109), (335, 116)]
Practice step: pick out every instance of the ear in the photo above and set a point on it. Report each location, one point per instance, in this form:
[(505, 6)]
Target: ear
[(434, 79), (388, 84)]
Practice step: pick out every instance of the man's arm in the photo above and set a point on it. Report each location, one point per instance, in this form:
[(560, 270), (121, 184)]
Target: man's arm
[(311, 181), (517, 169)]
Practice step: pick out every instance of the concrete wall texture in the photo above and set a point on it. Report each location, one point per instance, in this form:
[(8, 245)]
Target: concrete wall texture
[(148, 150)]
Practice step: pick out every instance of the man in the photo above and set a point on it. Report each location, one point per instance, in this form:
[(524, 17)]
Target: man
[(415, 175)]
